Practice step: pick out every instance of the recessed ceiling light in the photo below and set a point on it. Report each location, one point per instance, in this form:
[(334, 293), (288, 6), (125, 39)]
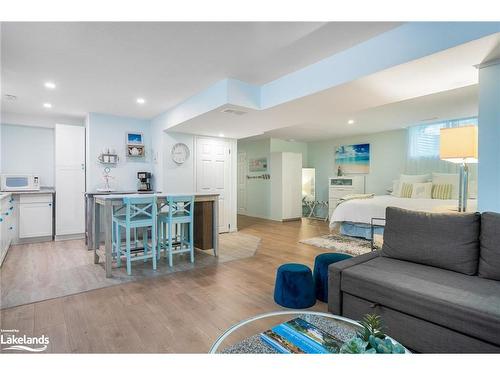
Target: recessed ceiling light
[(50, 85), (140, 101), (350, 122), (47, 105), (291, 140), (221, 134)]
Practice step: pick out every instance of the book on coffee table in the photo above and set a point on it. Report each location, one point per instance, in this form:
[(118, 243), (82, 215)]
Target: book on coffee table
[(298, 337)]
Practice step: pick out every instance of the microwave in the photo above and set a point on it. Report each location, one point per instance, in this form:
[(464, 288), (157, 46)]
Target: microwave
[(19, 182)]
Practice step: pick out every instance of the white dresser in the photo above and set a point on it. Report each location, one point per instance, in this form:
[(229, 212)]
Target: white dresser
[(341, 186)]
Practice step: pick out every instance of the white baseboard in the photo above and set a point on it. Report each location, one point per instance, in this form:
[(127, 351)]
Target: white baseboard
[(67, 237)]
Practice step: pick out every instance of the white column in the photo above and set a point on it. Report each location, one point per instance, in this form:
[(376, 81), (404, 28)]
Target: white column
[(489, 137)]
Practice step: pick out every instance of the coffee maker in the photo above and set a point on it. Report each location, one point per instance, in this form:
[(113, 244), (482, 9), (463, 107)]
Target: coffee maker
[(144, 181)]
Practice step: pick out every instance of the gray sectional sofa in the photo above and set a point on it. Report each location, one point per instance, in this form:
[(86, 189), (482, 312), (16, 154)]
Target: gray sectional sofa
[(435, 282)]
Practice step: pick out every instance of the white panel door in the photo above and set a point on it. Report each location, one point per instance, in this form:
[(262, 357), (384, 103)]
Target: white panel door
[(70, 179), (212, 174), (242, 182)]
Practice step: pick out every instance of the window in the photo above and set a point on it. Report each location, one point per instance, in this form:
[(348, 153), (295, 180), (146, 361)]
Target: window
[(423, 140)]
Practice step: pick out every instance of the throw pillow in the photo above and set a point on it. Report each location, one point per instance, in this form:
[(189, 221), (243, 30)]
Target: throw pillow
[(395, 188), (445, 240), (442, 191), (410, 179), (422, 190), (448, 178), (406, 190), (489, 256)]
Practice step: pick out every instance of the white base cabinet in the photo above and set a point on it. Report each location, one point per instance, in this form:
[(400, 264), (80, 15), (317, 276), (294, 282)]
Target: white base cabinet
[(8, 221), (35, 215)]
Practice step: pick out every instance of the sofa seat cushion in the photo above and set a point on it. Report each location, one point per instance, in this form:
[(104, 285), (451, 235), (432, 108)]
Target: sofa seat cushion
[(467, 304)]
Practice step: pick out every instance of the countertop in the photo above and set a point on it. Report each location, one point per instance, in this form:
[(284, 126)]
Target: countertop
[(43, 190), (114, 192), (4, 195), (116, 195)]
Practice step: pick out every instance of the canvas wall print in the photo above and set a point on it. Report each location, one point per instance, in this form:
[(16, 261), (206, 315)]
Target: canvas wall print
[(258, 165), (135, 139), (353, 158)]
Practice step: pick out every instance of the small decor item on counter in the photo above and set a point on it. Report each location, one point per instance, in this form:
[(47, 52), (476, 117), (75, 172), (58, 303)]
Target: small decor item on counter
[(106, 176), (371, 340), (339, 171)]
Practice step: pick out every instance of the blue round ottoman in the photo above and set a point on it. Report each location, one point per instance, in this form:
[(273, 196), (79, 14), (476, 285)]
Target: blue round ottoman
[(321, 264), (294, 286)]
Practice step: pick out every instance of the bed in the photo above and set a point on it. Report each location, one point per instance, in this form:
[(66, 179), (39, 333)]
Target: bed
[(354, 217)]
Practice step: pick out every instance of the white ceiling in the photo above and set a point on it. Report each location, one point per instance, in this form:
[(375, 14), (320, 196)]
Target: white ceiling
[(104, 67), (435, 86)]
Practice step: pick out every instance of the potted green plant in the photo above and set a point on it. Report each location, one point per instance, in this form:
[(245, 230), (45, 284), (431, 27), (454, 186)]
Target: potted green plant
[(371, 340)]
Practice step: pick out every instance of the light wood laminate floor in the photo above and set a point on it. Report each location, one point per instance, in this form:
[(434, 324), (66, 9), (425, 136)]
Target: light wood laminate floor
[(177, 313)]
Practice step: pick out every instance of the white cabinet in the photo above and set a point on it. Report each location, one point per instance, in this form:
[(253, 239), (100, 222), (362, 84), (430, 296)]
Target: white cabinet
[(7, 224), (286, 185), (35, 215), (70, 180), (342, 186)]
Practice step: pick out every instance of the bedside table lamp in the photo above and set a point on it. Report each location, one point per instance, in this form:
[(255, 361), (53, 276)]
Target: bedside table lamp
[(459, 145)]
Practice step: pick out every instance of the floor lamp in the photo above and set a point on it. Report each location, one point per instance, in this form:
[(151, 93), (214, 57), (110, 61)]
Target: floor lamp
[(459, 145)]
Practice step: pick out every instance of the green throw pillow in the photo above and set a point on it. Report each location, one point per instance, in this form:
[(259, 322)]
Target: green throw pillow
[(406, 190), (441, 191)]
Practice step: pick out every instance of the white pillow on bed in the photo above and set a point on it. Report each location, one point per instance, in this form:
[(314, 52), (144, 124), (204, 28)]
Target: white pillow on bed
[(410, 179), (448, 178), (422, 190), (395, 188)]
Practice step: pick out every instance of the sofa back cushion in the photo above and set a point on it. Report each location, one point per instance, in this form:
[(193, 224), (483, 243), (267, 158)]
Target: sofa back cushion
[(444, 240), (489, 255)]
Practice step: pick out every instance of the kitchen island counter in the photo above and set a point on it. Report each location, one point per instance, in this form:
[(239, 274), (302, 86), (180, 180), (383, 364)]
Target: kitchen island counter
[(106, 202)]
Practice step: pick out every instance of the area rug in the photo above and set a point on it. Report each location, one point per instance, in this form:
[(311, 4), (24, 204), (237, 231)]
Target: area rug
[(36, 272), (341, 244)]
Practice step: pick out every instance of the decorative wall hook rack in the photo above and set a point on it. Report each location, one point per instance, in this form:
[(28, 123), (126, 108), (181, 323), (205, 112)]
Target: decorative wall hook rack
[(264, 176)]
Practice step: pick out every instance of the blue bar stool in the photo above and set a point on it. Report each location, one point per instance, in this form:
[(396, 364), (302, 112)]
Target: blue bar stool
[(139, 213), (177, 224)]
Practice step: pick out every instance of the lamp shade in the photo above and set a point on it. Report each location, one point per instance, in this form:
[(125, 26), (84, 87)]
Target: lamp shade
[(458, 145)]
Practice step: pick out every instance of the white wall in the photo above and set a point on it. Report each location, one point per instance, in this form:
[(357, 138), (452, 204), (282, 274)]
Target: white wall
[(28, 149), (108, 131), (168, 176), (387, 160), (178, 178)]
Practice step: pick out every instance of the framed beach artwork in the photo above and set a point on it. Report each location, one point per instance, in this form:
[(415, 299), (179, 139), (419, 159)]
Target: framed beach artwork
[(257, 165), (134, 138), (353, 158)]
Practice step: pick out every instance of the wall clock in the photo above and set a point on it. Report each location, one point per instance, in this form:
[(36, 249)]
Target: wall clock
[(180, 153)]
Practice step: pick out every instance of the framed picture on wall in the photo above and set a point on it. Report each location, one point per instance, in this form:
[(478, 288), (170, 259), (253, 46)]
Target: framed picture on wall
[(353, 158), (135, 138), (257, 165)]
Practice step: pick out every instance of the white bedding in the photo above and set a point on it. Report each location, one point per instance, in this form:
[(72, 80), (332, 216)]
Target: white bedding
[(362, 210)]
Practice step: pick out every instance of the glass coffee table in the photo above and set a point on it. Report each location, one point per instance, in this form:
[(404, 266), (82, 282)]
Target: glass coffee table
[(244, 337)]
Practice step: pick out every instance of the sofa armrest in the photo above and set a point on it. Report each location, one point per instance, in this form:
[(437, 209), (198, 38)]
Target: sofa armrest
[(335, 276)]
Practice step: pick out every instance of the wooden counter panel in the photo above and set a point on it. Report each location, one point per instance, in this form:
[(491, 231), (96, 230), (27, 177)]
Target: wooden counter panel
[(203, 233)]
